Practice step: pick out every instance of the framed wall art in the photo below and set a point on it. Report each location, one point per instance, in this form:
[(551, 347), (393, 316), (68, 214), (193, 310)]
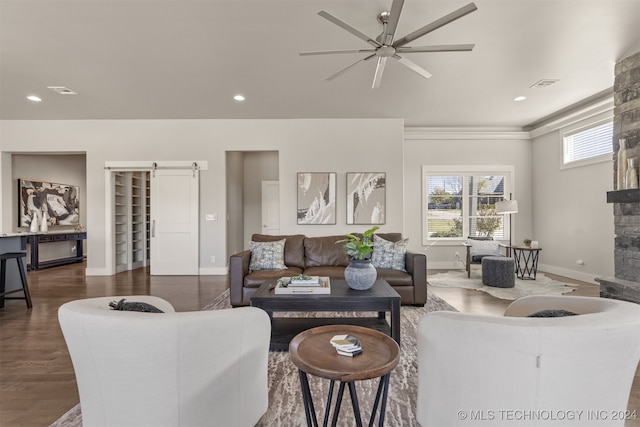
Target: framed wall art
[(366, 198), (59, 201), (316, 198)]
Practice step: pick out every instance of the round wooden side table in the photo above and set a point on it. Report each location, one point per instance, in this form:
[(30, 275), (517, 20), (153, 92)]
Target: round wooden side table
[(312, 353)]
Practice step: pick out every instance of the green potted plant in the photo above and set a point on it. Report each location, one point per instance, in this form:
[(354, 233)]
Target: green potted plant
[(527, 242), (360, 274), (359, 247)]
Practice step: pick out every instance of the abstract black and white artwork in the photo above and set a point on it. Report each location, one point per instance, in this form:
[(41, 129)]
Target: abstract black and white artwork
[(316, 198), (59, 201), (366, 197)]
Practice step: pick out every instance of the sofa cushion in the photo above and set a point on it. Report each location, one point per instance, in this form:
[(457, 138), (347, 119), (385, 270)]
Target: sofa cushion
[(267, 255), (331, 271), (323, 251), (395, 277), (390, 237), (293, 247), (257, 278), (388, 254), (480, 248)]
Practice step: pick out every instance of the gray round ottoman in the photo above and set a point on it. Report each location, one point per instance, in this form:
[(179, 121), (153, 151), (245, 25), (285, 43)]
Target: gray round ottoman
[(498, 271)]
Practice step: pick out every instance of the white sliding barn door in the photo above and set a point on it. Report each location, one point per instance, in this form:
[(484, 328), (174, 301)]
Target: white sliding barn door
[(174, 221)]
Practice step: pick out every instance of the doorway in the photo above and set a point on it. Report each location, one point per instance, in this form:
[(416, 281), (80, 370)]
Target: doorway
[(245, 172), (154, 217)]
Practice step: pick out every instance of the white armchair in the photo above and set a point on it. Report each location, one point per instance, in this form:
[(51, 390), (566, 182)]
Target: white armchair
[(204, 368), (492, 370)]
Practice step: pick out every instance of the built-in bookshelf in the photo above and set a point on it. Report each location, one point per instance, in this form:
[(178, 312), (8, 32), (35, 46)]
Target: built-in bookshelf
[(131, 220)]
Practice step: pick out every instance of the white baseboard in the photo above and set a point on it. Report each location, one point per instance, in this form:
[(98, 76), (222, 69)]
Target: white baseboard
[(213, 271), (97, 272), (216, 271), (572, 274)]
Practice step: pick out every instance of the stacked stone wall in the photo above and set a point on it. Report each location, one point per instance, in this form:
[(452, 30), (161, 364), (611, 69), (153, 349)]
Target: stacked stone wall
[(627, 125)]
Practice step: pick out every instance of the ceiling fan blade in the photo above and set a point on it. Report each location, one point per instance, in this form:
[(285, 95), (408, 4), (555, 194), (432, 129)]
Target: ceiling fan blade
[(349, 28), (377, 78), (438, 48), (465, 10), (413, 66), (344, 70), (331, 52), (392, 23)]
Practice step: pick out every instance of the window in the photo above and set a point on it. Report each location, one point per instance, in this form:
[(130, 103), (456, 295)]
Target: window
[(588, 145), (460, 203)]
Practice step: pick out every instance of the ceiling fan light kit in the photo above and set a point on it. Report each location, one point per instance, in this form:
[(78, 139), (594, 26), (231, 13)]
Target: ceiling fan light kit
[(385, 46)]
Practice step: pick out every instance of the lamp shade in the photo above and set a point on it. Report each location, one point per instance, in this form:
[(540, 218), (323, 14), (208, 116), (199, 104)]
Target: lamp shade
[(507, 207)]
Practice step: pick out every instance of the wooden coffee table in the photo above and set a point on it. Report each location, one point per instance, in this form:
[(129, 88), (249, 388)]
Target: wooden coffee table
[(381, 298)]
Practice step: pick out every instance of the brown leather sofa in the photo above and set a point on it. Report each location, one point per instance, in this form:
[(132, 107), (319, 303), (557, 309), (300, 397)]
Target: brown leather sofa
[(321, 256)]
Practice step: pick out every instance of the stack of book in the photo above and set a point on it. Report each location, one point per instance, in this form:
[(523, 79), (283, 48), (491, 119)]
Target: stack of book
[(303, 284), (303, 280), (346, 345)]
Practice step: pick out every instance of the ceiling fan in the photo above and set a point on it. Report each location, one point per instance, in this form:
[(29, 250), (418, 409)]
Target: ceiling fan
[(386, 46)]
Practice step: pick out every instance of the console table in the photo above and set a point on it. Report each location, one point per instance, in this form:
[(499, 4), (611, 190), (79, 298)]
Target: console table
[(35, 240)]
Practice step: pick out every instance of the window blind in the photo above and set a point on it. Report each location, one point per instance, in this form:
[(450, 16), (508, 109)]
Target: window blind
[(588, 143)]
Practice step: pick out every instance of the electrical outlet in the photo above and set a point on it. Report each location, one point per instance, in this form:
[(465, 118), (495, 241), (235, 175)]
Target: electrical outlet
[(213, 259)]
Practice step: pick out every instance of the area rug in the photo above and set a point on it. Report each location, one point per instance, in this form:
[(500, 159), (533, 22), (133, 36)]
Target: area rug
[(543, 285), (285, 400)]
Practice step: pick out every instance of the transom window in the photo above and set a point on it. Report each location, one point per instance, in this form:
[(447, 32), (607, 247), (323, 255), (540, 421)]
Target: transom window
[(588, 144), (461, 203)]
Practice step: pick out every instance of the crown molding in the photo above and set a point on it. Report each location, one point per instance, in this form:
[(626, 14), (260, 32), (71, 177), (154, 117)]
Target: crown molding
[(566, 118), (449, 133)]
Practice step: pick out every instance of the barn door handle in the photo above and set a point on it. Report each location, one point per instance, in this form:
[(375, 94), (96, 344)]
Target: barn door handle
[(153, 228)]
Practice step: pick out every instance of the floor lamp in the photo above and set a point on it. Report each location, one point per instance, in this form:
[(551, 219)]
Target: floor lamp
[(507, 207)]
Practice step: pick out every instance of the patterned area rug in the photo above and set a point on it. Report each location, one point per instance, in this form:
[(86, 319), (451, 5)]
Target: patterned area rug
[(543, 285), (285, 400)]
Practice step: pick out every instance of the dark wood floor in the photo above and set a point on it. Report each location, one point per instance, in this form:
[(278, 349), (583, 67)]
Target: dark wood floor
[(37, 384)]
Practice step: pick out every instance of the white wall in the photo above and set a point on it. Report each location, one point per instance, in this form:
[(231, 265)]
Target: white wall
[(468, 147), (571, 218), (235, 208), (335, 145)]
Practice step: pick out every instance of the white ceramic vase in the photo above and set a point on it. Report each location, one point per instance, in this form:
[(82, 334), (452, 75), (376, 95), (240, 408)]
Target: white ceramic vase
[(34, 223), (631, 180), (622, 165), (44, 227)]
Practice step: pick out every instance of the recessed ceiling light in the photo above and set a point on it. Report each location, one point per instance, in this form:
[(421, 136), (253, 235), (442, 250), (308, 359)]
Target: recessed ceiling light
[(519, 98), (239, 98), (34, 98)]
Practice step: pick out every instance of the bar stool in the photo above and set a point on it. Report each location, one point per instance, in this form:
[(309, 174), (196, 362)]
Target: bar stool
[(23, 277)]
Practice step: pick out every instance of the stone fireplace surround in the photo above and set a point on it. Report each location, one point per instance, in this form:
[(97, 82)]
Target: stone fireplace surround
[(626, 202)]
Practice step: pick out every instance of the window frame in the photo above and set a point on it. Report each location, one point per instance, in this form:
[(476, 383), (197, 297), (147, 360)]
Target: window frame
[(582, 126), (508, 171)]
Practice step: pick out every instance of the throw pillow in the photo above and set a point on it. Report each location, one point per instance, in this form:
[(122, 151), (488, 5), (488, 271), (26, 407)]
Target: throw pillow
[(388, 254), (484, 247), (552, 313), (267, 255), (122, 305)]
